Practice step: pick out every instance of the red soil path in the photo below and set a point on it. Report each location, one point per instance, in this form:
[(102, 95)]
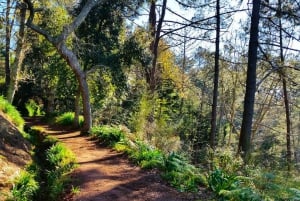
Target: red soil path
[(106, 175)]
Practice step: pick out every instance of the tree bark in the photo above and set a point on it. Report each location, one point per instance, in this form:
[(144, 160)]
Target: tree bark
[(155, 33), (216, 80), (60, 43), (285, 95), (20, 55), (77, 108), (245, 134), (7, 44)]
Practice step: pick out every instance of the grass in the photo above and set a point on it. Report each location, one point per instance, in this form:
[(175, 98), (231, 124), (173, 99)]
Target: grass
[(50, 170), (12, 113), (67, 119), (108, 135), (33, 108), (25, 187), (75, 190), (146, 156)]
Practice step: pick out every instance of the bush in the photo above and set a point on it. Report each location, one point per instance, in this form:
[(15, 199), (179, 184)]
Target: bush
[(60, 158), (25, 187), (181, 174), (33, 108), (241, 194), (146, 156), (67, 119), (219, 180), (108, 135), (52, 164), (12, 113), (276, 186)]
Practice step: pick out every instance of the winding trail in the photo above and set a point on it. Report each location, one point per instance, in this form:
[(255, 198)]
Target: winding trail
[(106, 175)]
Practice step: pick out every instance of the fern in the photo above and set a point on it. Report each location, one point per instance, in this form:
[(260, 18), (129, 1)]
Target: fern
[(241, 194), (25, 188)]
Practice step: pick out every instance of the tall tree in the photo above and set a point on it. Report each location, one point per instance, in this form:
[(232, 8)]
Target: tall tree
[(8, 29), (155, 33), (285, 91), (216, 78), (244, 146), (59, 42), (15, 68)]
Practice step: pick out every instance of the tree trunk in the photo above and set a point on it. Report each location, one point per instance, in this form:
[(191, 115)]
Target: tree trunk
[(285, 96), (77, 108), (216, 80), (60, 43), (232, 108), (20, 55), (288, 123), (245, 134), (73, 62), (7, 44), (155, 34)]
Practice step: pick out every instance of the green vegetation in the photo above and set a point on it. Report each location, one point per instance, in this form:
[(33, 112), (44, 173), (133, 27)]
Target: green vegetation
[(107, 134), (67, 119), (225, 179), (182, 174), (12, 113), (176, 169), (61, 161), (33, 108), (174, 103), (25, 187), (46, 178)]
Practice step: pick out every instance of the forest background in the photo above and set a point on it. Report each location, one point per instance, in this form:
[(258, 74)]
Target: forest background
[(220, 82)]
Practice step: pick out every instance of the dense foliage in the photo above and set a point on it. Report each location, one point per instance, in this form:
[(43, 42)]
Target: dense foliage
[(47, 176), (162, 97)]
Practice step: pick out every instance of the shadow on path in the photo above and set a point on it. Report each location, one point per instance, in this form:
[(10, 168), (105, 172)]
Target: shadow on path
[(106, 175)]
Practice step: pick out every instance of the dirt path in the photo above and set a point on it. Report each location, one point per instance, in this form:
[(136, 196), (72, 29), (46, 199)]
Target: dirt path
[(106, 175)]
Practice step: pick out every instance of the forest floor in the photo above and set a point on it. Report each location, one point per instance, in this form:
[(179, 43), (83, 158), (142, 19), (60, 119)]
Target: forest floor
[(106, 175)]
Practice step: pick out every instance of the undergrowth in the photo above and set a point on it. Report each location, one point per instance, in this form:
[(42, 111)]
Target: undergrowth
[(231, 180), (12, 113), (67, 119), (176, 169), (225, 174), (46, 178), (33, 108)]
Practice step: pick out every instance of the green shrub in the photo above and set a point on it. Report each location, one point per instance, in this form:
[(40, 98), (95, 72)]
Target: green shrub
[(12, 113), (25, 187), (61, 162), (108, 135), (33, 108), (224, 159), (181, 174), (146, 156), (67, 119), (218, 180), (276, 186), (60, 158), (241, 194)]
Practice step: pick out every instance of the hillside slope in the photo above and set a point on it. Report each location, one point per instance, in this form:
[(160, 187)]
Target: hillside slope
[(14, 153)]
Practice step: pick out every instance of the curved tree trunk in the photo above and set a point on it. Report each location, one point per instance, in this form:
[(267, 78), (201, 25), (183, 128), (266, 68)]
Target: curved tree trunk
[(73, 62), (60, 43)]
